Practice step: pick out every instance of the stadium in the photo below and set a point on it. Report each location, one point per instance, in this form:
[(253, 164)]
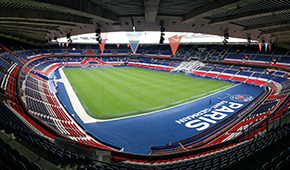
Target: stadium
[(144, 84)]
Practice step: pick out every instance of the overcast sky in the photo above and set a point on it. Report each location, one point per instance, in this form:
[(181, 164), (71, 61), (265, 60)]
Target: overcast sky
[(149, 38)]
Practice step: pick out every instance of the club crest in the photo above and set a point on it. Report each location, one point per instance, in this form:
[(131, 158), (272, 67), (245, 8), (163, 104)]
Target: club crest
[(241, 98)]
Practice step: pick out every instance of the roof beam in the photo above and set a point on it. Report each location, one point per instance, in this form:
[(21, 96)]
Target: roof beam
[(32, 33), (215, 7), (28, 25), (42, 15), (83, 8), (32, 22), (25, 34), (151, 9), (21, 28), (260, 26), (251, 14), (282, 38), (277, 30)]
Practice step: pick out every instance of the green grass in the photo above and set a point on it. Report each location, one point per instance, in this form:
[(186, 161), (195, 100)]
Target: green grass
[(123, 91)]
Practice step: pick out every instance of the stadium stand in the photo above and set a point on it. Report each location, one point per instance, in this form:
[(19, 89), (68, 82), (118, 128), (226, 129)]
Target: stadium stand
[(32, 113)]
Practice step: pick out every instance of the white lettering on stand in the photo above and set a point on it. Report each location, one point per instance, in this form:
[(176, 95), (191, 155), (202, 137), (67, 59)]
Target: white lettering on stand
[(204, 118)]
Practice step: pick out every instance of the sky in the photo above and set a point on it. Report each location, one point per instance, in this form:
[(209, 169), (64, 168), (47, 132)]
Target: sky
[(149, 38)]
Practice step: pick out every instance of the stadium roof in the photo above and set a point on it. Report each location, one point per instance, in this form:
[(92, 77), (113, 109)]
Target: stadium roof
[(35, 21)]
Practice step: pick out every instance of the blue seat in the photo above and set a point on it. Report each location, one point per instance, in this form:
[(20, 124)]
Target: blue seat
[(35, 166)]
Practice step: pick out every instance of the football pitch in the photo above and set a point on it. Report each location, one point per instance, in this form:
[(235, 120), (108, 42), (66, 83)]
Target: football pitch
[(107, 93)]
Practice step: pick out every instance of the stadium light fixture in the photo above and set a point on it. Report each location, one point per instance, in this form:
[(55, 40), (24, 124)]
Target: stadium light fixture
[(162, 30), (226, 37), (54, 40), (69, 40), (225, 42), (162, 38), (98, 36), (133, 25), (248, 41)]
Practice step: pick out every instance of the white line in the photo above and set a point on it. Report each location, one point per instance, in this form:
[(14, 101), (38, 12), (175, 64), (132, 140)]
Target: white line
[(76, 104)]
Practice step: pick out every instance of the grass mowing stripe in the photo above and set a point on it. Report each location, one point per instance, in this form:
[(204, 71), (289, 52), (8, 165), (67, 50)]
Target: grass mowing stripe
[(117, 92), (76, 75), (110, 82), (135, 88)]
